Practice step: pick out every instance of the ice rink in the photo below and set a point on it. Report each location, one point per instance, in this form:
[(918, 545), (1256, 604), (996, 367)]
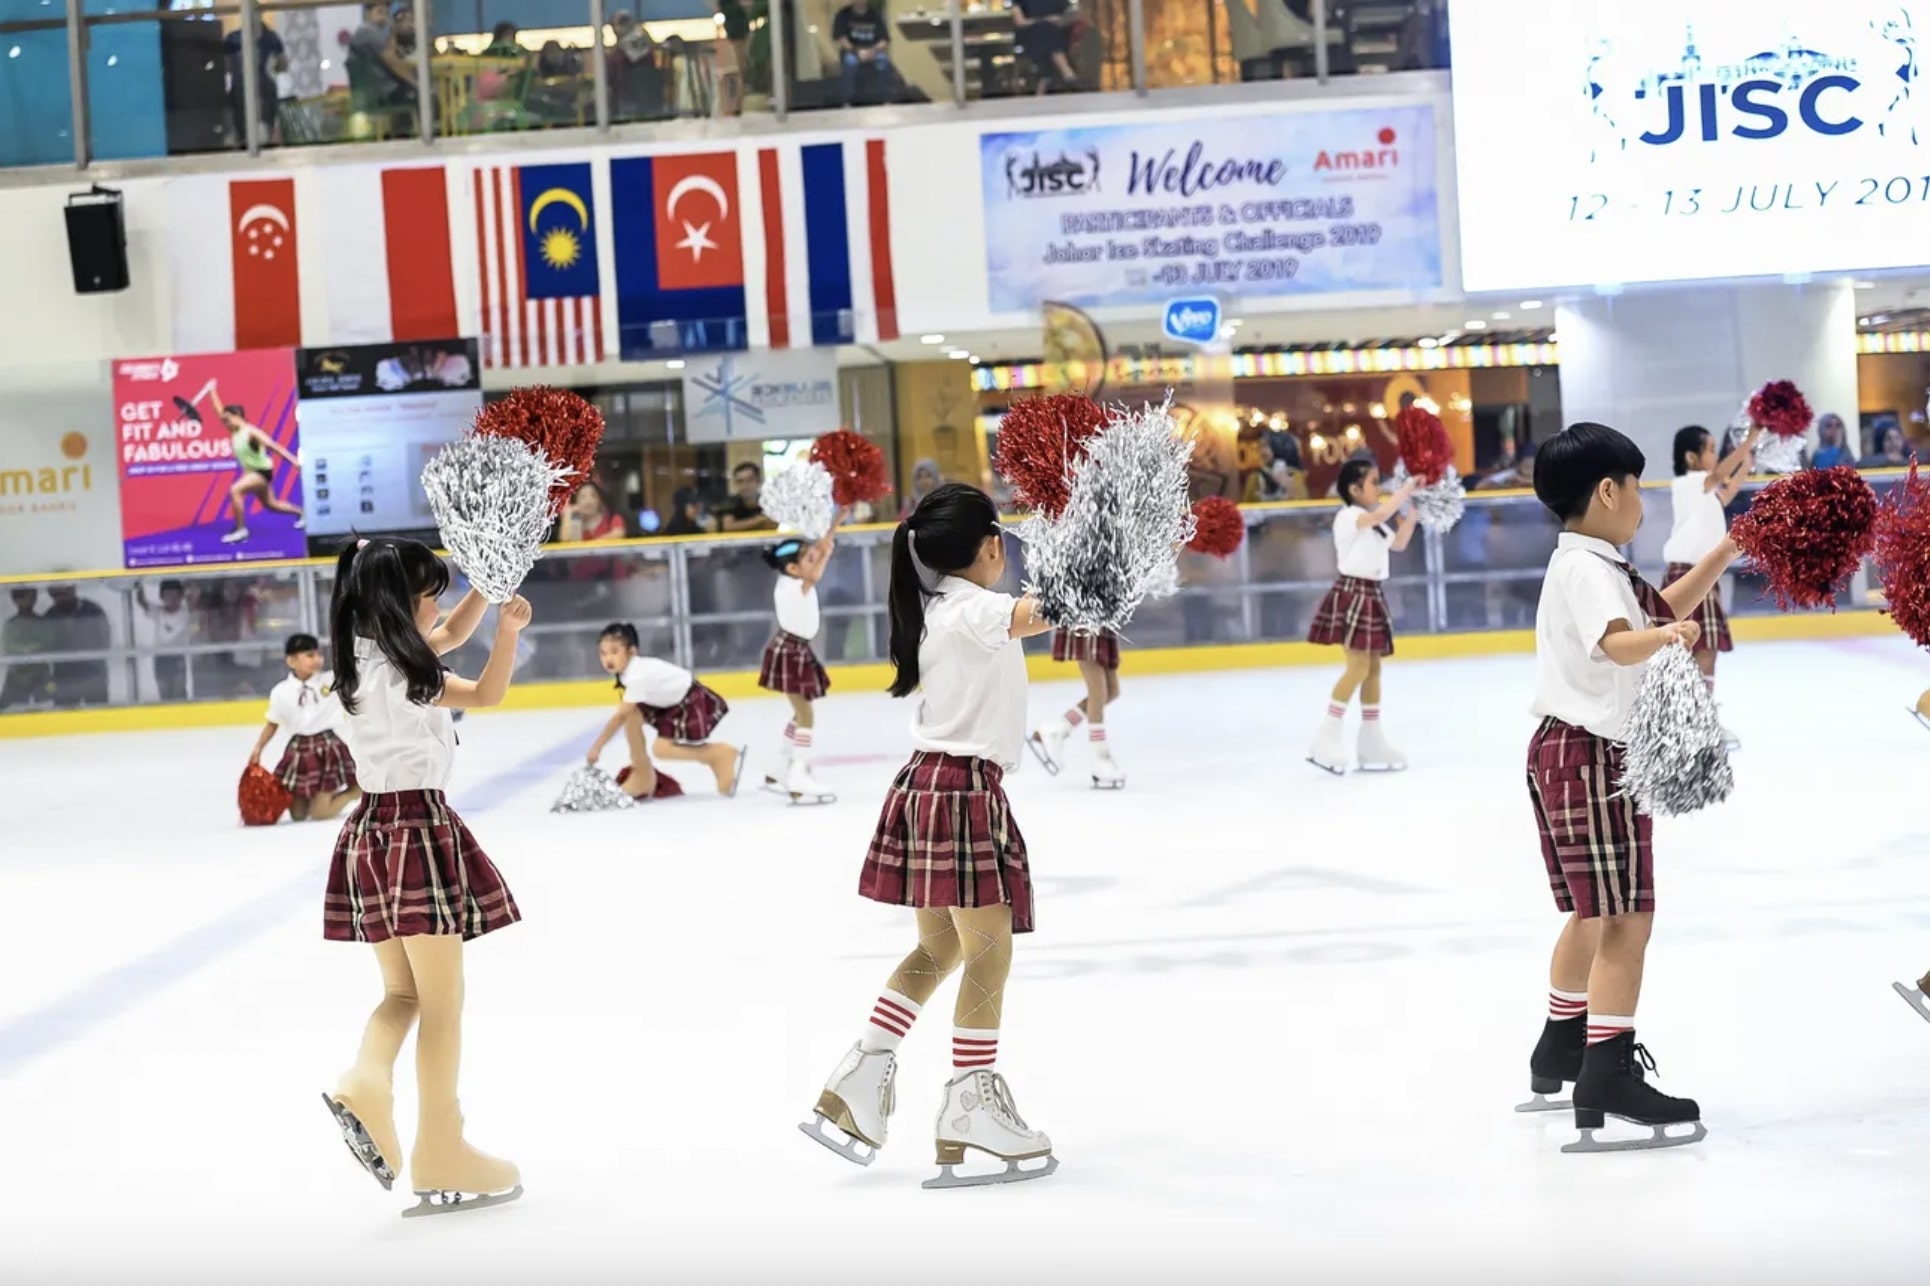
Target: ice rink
[(1275, 1022)]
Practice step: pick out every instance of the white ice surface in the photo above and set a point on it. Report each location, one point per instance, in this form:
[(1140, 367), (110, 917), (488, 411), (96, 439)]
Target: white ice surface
[(1274, 1021)]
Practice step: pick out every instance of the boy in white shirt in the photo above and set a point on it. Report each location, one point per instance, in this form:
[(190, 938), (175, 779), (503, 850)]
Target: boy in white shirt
[(316, 767), (1597, 624)]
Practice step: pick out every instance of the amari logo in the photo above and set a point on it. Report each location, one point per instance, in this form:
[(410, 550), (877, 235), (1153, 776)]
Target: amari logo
[(52, 480)]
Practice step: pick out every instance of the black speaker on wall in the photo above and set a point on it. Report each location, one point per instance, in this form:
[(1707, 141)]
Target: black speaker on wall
[(97, 241)]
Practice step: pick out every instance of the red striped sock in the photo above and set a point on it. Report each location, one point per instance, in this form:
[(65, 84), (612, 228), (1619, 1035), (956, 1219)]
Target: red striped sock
[(974, 1049), (1369, 714), (891, 1018), (1075, 717), (801, 738), (1336, 711), (1603, 1027), (1566, 1005), (1096, 734)]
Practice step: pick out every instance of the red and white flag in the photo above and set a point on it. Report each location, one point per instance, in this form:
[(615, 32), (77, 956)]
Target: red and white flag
[(387, 264), (234, 256)]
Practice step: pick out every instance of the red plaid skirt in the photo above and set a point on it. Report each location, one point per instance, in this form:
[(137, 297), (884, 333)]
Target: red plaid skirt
[(1102, 647), (691, 721), (1354, 615), (791, 667), (1709, 614), (1597, 846), (666, 787), (406, 865), (317, 765), (946, 838)]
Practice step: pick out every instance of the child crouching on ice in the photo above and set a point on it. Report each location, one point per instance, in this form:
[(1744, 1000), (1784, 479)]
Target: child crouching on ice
[(667, 697)]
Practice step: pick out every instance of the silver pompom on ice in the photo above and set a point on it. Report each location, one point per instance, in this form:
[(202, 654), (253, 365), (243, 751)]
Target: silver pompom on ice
[(491, 499), (591, 790), (1437, 507), (800, 500), (1677, 760)]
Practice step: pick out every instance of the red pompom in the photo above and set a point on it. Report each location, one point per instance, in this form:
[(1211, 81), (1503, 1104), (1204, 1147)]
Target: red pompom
[(563, 426), (1218, 527), (1425, 448), (1808, 533), (262, 797), (1903, 555), (1780, 407), (1040, 439), (856, 466)]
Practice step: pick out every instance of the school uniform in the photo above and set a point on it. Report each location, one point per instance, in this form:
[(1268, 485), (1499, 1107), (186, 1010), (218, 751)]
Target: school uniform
[(946, 836), (1102, 647), (672, 700), (404, 863), (1595, 843), (1354, 612), (1699, 526), (790, 665), (315, 761)]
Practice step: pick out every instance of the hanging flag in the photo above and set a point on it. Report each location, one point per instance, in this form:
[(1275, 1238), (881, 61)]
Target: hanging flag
[(536, 247), (678, 226), (233, 254), (828, 275), (395, 282)]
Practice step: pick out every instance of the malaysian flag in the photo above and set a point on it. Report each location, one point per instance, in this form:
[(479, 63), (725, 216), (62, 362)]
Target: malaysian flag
[(536, 241)]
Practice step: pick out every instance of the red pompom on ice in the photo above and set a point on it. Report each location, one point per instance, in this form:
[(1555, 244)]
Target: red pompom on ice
[(1218, 527), (856, 466), (1040, 439), (1780, 407), (563, 426), (1808, 533), (1425, 448), (262, 797), (1903, 555)]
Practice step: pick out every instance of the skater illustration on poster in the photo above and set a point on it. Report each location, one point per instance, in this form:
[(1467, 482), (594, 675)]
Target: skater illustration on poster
[(209, 465)]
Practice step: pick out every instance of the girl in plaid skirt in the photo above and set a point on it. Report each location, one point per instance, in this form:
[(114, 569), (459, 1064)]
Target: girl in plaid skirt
[(669, 699), (407, 876), (1354, 615), (315, 766), (1702, 490), (1098, 659), (791, 667), (946, 843)]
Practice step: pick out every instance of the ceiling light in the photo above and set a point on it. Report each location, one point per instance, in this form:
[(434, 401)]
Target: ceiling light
[(1475, 324), (1529, 305), (1862, 321), (931, 339), (958, 354), (1502, 316), (675, 363), (1428, 341)]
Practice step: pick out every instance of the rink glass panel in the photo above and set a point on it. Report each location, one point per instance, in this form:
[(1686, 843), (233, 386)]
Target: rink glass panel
[(705, 603)]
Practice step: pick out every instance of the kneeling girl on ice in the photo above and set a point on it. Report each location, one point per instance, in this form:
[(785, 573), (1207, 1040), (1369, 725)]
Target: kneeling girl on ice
[(670, 699)]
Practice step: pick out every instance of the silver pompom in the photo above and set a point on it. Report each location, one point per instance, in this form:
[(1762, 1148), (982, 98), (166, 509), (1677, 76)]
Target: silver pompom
[(1779, 455), (591, 790), (800, 500), (1677, 760), (1117, 540), (491, 499), (1440, 506)]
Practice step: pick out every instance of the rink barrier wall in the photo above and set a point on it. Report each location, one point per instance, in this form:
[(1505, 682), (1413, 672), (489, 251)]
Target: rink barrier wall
[(740, 685)]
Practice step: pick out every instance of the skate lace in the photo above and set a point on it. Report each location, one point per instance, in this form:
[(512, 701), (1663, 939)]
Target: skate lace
[(1003, 1105), (1643, 1060), (888, 1089)]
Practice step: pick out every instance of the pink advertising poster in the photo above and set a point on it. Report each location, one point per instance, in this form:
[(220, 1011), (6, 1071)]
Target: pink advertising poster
[(209, 466)]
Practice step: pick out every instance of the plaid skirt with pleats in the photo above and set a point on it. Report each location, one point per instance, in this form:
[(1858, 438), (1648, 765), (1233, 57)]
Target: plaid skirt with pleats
[(946, 837), (1354, 615), (1597, 845), (1708, 614), (791, 667), (315, 765), (691, 721), (666, 787), (405, 865), (1102, 647)]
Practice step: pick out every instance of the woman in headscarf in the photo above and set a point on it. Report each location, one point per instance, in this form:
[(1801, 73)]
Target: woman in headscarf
[(925, 479)]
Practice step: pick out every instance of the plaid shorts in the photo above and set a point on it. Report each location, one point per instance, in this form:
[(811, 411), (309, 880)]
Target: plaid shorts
[(1708, 614), (405, 865), (317, 765), (946, 838), (1354, 615), (1102, 647), (791, 667), (1597, 846), (691, 721)]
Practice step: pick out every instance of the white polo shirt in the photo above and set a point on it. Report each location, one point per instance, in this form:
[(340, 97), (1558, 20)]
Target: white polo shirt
[(1699, 524), (657, 684), (797, 607), (1586, 590), (1360, 551), (971, 673), (305, 709), (396, 744)]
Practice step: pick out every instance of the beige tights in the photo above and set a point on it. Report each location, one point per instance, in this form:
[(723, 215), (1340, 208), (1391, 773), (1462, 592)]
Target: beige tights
[(642, 781), (1361, 673), (978, 937)]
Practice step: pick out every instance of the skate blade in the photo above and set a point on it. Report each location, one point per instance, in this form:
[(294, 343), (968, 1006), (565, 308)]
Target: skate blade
[(1381, 768), (1038, 750), (1542, 1103), (360, 1145), (438, 1202), (811, 801), (737, 777), (1660, 1138), (1338, 771), (849, 1146), (1919, 717), (1913, 997), (949, 1177), (1109, 785)]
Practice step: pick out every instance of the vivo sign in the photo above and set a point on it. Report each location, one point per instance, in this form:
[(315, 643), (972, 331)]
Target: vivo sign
[(1192, 321)]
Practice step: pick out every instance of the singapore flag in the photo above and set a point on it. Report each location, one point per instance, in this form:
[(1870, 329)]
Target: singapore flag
[(235, 264)]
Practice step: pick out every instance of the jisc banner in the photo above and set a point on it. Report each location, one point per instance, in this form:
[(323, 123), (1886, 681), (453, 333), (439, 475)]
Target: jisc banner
[(1248, 207), (209, 466)]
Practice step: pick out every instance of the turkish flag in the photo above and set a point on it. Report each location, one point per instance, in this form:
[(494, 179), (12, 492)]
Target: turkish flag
[(267, 279), (699, 221)]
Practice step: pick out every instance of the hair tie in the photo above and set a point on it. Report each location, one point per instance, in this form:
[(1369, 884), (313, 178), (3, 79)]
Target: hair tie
[(361, 545), (927, 578)]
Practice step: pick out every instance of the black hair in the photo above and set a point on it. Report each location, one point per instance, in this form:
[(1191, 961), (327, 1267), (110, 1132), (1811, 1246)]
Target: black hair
[(1689, 441), (785, 552), (377, 585), (300, 643), (1570, 465), (236, 409), (624, 633), (949, 526), (752, 465), (1352, 474), (175, 585)]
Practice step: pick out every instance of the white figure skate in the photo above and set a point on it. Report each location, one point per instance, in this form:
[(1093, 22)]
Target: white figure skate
[(1913, 996), (1106, 774), (1375, 753), (1049, 744), (803, 788), (1328, 754), (780, 773), (978, 1113), (857, 1103)]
